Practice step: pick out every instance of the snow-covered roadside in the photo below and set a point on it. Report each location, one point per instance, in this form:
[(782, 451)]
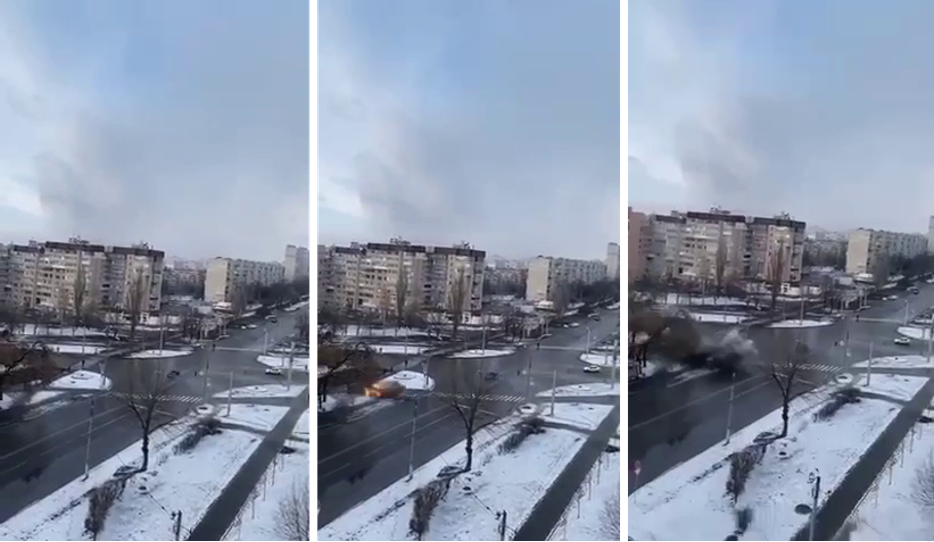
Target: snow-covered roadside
[(595, 506), (78, 380), (891, 509), (797, 324), (511, 481), (286, 478), (365, 331), (483, 353), (188, 481), (605, 359), (581, 415), (401, 349), (583, 390), (694, 491), (83, 349), (282, 362), (165, 353), (30, 330), (914, 332), (897, 362), (263, 391), (711, 318)]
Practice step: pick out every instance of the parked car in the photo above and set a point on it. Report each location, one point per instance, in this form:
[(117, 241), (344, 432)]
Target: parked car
[(273, 371), (591, 369)]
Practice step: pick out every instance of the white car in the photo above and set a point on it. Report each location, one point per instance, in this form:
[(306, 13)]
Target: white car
[(273, 371), (903, 341), (251, 326), (575, 324), (591, 369)]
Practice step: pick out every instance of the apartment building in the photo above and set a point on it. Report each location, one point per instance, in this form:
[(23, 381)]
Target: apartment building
[(612, 261), (367, 276), (225, 277), (693, 246), (296, 262), (867, 248), (638, 246), (547, 275), (43, 276), (930, 239)]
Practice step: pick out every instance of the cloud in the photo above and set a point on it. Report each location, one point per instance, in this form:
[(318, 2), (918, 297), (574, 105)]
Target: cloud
[(170, 122), (822, 110), (493, 122)]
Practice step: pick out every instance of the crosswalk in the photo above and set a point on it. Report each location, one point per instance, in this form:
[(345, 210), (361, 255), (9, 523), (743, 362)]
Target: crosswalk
[(466, 396), (188, 399), (818, 368)]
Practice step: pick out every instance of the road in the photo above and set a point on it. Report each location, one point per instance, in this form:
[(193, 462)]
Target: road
[(672, 419), (40, 451), (358, 459)]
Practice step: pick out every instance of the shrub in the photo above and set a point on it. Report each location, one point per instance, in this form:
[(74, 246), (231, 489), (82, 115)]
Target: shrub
[(201, 428), (840, 397), (743, 517), (528, 426), (426, 500), (922, 487), (100, 499), (741, 466)]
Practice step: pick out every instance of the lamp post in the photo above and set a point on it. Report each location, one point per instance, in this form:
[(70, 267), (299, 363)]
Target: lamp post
[(814, 479)]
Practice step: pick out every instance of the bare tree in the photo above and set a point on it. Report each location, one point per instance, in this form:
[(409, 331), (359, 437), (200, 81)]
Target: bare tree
[(402, 294), (434, 320), (880, 272), (342, 364), (609, 526), (146, 389), (303, 327), (922, 486), (294, 513), (470, 392), (136, 297), (787, 370), (560, 299), (78, 292), (24, 364), (720, 261), (458, 295), (776, 272), (385, 304)]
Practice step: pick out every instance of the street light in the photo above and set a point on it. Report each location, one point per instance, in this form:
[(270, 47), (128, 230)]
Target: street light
[(412, 442), (814, 480)]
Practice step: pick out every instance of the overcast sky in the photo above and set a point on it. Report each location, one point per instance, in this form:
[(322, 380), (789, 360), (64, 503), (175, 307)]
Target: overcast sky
[(821, 109), (171, 122), (494, 122)]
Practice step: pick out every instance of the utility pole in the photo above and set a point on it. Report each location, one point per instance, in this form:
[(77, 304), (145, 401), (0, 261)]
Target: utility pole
[(87, 447), (265, 341), (501, 516), (930, 339), (427, 365), (288, 385), (588, 339), (906, 311), (729, 408), (554, 384), (412, 442), (528, 376), (161, 337), (207, 367), (814, 478), (869, 365), (177, 526), (230, 394)]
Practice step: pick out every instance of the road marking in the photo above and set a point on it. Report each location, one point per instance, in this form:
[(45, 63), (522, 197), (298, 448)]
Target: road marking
[(498, 398)]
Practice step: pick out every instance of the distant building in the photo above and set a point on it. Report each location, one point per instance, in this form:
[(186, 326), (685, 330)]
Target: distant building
[(866, 248), (638, 246), (547, 275), (612, 261), (43, 276), (226, 278), (931, 235), (296, 262)]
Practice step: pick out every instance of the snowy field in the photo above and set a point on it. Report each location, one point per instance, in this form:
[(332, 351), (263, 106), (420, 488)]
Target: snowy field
[(85, 349), (583, 390), (603, 360), (512, 481), (403, 349), (165, 353), (588, 516), (286, 475), (581, 415), (914, 332), (797, 323), (282, 362), (890, 510), (483, 353), (259, 417), (187, 481), (897, 362), (412, 380), (264, 391), (712, 318), (694, 491)]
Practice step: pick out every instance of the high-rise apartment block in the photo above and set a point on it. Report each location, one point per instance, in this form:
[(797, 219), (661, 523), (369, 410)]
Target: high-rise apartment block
[(226, 278), (639, 245), (296, 262), (367, 276), (612, 261), (931, 235), (547, 275), (697, 246), (867, 248), (44, 276)]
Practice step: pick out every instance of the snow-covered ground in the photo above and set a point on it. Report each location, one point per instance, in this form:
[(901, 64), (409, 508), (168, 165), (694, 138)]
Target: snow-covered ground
[(282, 362), (582, 415), (33, 330), (412, 380), (287, 475), (897, 362), (583, 390), (88, 349), (260, 417), (364, 406), (479, 353), (603, 360), (79, 380), (160, 354), (797, 323), (694, 491), (595, 505), (411, 349), (914, 332), (365, 331), (264, 391), (712, 318), (890, 510), (512, 481), (187, 481), (684, 299)]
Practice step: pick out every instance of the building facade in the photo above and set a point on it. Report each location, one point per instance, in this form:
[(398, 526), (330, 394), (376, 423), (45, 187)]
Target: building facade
[(368, 277), (612, 261), (296, 263), (547, 275), (638, 246), (931, 235), (226, 278), (705, 247), (867, 249), (44, 276)]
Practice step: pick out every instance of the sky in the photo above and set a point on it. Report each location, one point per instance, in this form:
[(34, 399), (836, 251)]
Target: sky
[(491, 122), (824, 110), (171, 122)]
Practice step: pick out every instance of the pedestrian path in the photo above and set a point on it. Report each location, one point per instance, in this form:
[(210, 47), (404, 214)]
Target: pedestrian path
[(468, 396), (190, 399)]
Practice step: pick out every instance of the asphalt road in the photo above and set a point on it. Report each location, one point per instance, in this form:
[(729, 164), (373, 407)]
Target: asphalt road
[(673, 418), (40, 451), (359, 458)]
